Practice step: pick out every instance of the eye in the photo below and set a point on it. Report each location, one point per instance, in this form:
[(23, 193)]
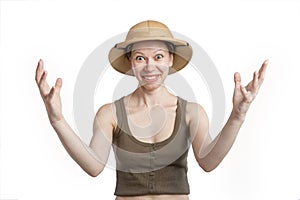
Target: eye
[(139, 58), (159, 56)]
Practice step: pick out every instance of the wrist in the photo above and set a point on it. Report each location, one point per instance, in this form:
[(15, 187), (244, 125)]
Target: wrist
[(238, 116), (56, 121)]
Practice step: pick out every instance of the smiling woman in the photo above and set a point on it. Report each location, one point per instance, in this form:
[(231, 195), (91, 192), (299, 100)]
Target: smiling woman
[(150, 61), (150, 129)]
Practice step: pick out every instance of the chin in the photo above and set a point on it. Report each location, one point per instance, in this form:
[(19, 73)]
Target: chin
[(151, 86)]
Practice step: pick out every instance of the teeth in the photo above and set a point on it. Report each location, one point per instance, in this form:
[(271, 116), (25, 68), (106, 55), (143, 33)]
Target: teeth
[(150, 77)]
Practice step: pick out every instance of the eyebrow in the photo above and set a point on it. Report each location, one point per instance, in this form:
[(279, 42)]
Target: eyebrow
[(137, 51)]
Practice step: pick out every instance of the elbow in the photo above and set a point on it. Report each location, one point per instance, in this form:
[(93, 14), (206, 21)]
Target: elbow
[(94, 173), (207, 169), (208, 166)]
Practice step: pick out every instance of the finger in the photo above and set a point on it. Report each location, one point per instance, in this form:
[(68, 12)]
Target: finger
[(58, 84), (39, 71), (43, 81), (44, 76), (51, 93), (262, 71), (237, 80), (255, 80), (55, 90), (244, 92), (43, 85)]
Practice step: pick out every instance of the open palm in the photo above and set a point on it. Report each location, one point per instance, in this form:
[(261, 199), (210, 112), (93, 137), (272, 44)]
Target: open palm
[(50, 96), (244, 95)]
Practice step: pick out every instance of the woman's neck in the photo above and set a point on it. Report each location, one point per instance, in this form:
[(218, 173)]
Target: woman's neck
[(158, 96)]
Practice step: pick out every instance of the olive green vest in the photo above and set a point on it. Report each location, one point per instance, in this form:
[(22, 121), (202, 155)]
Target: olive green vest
[(151, 168)]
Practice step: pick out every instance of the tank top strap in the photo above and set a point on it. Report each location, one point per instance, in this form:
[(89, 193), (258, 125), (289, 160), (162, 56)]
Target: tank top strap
[(121, 115), (182, 104)]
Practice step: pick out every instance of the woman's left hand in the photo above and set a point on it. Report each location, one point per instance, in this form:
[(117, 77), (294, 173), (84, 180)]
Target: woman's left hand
[(243, 96)]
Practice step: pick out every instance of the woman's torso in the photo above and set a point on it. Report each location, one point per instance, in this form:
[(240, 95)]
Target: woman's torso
[(154, 125)]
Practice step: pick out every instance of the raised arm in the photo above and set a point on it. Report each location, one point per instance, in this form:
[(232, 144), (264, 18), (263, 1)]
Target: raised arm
[(209, 153), (91, 158)]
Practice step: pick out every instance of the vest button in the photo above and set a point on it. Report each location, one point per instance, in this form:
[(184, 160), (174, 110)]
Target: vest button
[(151, 186), (152, 173), (153, 145), (152, 155)]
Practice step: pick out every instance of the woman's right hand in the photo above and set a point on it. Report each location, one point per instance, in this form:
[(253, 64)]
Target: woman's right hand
[(50, 96)]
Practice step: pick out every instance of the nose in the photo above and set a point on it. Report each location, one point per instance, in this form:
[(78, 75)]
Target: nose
[(150, 65)]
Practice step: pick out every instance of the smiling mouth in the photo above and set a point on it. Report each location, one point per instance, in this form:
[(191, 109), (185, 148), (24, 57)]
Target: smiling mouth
[(150, 78)]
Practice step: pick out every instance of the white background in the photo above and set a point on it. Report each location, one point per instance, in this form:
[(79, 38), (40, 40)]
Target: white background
[(238, 35)]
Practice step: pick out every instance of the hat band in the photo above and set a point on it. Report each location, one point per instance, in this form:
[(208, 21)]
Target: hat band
[(126, 48)]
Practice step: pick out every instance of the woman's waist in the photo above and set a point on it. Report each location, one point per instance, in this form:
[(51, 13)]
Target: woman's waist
[(154, 197)]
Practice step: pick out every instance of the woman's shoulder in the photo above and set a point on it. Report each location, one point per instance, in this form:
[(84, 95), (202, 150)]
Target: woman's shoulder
[(195, 111), (107, 113), (109, 107)]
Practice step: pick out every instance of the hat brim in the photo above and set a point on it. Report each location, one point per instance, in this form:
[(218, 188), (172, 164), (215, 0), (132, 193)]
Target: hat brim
[(119, 61)]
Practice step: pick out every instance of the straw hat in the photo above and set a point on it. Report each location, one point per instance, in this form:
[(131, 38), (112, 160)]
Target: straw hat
[(145, 31)]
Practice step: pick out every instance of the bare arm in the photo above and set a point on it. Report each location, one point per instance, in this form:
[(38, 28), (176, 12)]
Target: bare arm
[(91, 158), (209, 153)]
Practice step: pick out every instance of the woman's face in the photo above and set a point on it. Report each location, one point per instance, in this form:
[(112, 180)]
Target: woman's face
[(150, 62)]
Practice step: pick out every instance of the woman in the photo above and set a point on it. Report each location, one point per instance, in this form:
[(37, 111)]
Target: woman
[(150, 129)]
